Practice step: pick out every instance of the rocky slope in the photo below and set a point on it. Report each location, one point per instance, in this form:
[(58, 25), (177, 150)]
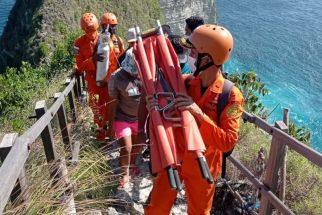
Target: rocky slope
[(132, 199)]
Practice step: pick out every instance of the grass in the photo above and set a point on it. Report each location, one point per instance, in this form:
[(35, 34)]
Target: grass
[(304, 179), (92, 180), (143, 13)]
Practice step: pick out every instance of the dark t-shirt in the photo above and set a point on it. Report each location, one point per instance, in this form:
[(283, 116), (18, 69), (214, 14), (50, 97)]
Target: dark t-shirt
[(127, 89)]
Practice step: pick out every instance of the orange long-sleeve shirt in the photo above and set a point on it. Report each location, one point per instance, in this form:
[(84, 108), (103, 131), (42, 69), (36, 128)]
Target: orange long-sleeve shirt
[(98, 96), (85, 48), (219, 135), (217, 138)]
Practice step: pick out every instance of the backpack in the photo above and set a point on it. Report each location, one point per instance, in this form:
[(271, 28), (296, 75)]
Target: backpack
[(222, 103)]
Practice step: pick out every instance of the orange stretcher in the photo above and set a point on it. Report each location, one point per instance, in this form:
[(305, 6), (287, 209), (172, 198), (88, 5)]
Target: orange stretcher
[(160, 72)]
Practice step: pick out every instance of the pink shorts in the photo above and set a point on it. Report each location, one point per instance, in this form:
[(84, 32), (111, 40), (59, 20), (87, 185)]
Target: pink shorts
[(123, 129)]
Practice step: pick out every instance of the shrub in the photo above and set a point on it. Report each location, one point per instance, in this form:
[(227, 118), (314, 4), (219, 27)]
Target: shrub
[(302, 134), (252, 88), (20, 86), (44, 50)]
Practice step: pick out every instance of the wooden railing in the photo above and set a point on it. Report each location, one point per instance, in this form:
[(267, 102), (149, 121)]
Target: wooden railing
[(14, 149), (280, 139)]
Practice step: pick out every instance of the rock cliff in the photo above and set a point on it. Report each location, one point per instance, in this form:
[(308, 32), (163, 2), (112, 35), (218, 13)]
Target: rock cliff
[(176, 11)]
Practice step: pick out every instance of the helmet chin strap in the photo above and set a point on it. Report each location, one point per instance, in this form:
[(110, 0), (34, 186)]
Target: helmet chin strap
[(204, 67)]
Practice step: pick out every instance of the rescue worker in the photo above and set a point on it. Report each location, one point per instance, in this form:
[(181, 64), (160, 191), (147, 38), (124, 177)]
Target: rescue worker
[(86, 59), (116, 43), (214, 45), (125, 93)]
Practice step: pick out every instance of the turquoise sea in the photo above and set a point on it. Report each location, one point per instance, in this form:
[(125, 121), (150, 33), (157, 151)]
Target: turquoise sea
[(281, 41), (5, 7)]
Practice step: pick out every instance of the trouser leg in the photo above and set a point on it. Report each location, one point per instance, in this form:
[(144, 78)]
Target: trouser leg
[(161, 197)]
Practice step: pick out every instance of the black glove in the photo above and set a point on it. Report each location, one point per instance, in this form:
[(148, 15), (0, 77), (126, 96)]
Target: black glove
[(98, 57)]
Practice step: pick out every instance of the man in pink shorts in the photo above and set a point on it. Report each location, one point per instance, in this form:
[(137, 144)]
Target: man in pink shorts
[(124, 90)]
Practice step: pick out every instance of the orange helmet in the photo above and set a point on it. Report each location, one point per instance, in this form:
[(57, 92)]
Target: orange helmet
[(214, 40), (89, 22), (109, 18)]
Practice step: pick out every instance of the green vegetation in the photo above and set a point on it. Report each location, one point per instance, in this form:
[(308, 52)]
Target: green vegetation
[(59, 27), (302, 134), (252, 88), (20, 87), (143, 13), (44, 57), (20, 35), (304, 185), (44, 50), (91, 180), (48, 22), (304, 180)]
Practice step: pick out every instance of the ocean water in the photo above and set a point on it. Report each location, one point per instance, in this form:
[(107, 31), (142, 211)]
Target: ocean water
[(5, 7), (281, 40)]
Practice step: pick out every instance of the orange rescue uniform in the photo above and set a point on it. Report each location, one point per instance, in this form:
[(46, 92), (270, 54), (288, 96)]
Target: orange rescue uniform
[(98, 96), (218, 139)]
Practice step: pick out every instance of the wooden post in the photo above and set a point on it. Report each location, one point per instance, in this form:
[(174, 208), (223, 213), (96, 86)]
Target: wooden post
[(63, 125), (20, 192), (75, 89), (79, 87), (11, 168), (284, 156), (47, 134), (286, 117), (75, 153), (274, 162), (48, 142), (71, 101)]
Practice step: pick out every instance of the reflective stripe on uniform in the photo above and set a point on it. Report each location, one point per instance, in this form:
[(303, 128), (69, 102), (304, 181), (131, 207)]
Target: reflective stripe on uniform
[(76, 50)]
